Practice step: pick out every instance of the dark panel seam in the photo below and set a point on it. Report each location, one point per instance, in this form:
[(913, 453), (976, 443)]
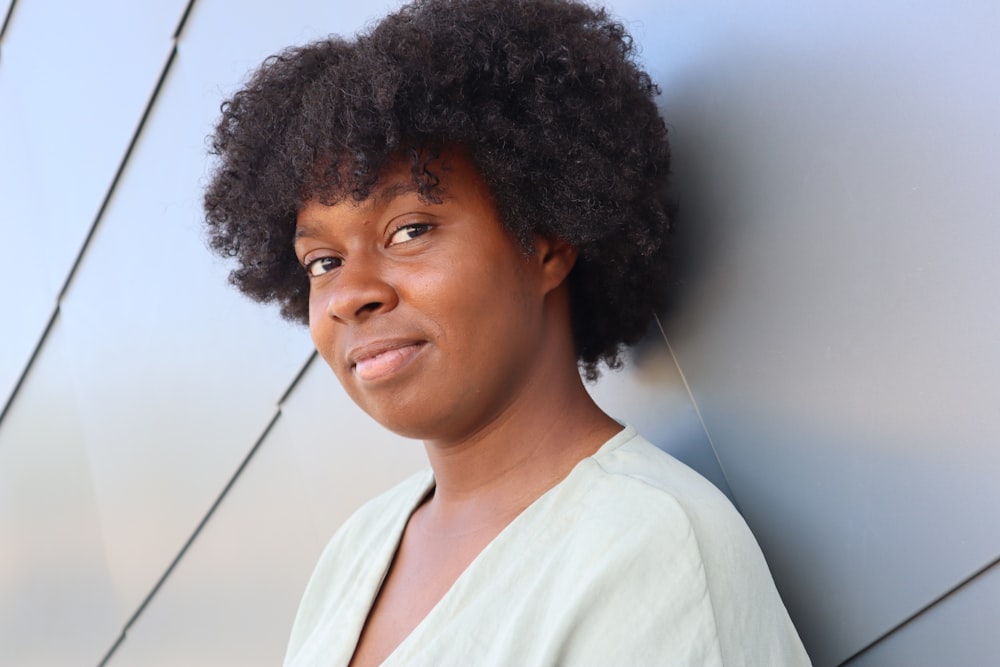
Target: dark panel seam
[(31, 362), (6, 19), (93, 228), (297, 378), (118, 174), (920, 612), (183, 20), (197, 531)]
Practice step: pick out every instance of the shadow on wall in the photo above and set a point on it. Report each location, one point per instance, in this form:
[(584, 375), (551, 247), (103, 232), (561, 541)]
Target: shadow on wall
[(834, 313)]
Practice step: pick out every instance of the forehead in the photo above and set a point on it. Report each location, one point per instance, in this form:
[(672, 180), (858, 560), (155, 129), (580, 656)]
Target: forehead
[(448, 176)]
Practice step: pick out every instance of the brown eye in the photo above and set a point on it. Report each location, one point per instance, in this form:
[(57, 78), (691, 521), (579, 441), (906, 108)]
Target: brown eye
[(322, 265), (408, 233)]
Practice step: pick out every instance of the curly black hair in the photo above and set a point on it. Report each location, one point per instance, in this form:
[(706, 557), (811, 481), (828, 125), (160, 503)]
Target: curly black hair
[(544, 95)]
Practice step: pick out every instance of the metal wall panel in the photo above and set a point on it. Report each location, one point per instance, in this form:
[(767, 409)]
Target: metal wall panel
[(26, 298), (181, 374), (232, 597), (344, 457), (959, 630), (649, 393), (243, 576), (228, 45), (5, 8), (69, 104), (56, 600), (836, 169)]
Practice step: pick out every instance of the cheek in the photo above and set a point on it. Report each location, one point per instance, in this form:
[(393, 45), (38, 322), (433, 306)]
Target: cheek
[(315, 324), (489, 308), (455, 302), (321, 332), (322, 337)]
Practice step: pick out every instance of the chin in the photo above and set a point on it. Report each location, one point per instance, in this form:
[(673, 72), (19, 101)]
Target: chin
[(418, 423), (403, 422), (410, 430)]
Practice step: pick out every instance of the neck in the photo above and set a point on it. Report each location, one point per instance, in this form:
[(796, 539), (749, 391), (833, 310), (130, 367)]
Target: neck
[(488, 476), (501, 469)]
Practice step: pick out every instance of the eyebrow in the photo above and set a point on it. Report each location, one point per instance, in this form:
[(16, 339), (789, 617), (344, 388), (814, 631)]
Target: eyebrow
[(380, 197), (303, 231), (386, 194)]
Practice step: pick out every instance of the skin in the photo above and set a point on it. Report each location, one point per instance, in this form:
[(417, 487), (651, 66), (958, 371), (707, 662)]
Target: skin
[(441, 327)]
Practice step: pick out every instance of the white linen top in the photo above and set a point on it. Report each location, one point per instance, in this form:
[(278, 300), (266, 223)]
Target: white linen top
[(633, 559)]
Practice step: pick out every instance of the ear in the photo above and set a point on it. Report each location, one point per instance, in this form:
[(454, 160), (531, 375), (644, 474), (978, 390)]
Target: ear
[(556, 258)]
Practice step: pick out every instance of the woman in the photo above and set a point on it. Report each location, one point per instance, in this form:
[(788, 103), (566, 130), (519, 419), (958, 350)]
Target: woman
[(467, 206)]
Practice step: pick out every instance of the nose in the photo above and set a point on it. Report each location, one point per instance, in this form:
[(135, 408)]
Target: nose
[(360, 290)]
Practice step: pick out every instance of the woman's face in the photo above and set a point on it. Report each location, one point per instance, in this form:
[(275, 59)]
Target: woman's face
[(430, 315)]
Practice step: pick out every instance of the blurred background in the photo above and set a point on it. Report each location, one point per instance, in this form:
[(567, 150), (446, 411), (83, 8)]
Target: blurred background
[(173, 458)]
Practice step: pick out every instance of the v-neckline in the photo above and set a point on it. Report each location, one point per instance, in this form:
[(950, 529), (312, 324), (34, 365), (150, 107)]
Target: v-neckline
[(388, 556)]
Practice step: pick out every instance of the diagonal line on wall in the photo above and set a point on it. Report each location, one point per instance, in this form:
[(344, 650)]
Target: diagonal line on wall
[(694, 403), (211, 511), (295, 381), (97, 220), (90, 234), (183, 21), (6, 19), (194, 535), (118, 173), (920, 612), (31, 362)]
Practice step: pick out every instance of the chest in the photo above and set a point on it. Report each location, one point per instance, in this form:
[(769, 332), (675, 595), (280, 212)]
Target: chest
[(425, 567)]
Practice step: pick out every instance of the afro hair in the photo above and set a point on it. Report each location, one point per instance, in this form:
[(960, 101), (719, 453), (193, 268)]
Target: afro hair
[(544, 95)]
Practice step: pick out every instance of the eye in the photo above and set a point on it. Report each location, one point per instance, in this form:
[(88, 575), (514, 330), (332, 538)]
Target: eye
[(321, 265), (408, 232)]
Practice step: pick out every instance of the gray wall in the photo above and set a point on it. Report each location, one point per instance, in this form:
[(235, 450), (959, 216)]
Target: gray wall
[(172, 458)]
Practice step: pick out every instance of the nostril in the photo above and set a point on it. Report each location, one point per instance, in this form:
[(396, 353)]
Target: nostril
[(369, 307)]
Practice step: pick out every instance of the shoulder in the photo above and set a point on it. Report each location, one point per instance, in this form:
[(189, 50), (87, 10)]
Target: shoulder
[(633, 474), (686, 535)]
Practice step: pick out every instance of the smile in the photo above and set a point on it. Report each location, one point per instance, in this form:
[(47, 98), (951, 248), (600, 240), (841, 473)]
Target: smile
[(376, 362)]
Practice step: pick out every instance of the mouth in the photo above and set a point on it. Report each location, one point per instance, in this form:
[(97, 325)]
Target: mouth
[(379, 360)]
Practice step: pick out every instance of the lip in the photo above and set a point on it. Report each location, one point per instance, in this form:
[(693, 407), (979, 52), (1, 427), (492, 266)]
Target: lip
[(377, 360)]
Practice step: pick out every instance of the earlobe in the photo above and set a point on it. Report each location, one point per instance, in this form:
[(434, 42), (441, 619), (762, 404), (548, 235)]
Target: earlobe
[(557, 258)]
